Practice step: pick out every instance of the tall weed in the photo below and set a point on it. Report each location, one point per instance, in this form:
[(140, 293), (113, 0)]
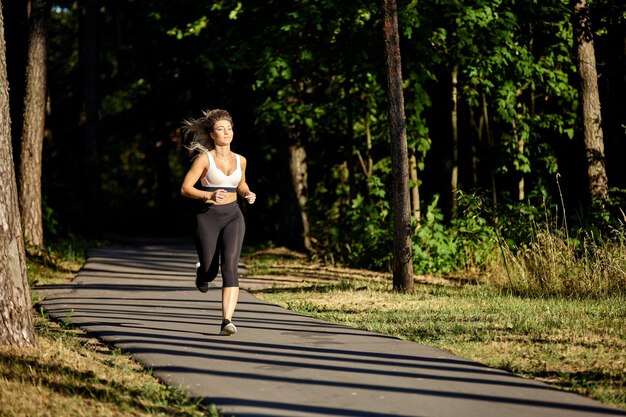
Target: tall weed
[(525, 249), (553, 265), (588, 260)]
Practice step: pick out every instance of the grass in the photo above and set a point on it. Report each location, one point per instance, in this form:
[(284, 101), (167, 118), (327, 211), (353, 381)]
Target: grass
[(555, 265), (577, 345), (71, 374)]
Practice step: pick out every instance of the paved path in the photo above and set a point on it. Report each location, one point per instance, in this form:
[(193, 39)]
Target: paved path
[(143, 300)]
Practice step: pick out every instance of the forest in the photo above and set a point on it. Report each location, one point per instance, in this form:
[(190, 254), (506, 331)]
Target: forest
[(511, 151)]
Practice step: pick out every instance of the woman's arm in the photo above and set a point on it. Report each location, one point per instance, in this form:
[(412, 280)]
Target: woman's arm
[(243, 189), (199, 166)]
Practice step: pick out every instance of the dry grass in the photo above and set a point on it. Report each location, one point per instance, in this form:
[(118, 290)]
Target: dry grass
[(69, 374), (554, 265), (285, 266)]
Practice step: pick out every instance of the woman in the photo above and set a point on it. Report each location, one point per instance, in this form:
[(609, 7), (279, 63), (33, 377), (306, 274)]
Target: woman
[(220, 225)]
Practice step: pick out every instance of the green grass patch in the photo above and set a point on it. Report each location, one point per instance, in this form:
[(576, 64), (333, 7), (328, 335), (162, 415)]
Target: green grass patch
[(574, 344)]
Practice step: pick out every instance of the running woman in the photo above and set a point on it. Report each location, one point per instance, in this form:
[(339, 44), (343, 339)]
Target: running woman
[(220, 225)]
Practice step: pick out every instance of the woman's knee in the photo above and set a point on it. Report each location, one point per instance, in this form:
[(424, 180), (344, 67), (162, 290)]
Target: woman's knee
[(230, 278)]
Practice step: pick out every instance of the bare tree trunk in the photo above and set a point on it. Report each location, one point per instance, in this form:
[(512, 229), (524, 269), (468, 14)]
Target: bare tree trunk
[(415, 191), (521, 184), (592, 117), (299, 179), (492, 172), (520, 145), (478, 129), (454, 181), (368, 164), (33, 126), (16, 326), (532, 110), (402, 251)]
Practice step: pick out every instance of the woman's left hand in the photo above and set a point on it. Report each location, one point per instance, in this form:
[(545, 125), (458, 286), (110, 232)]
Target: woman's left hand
[(250, 197)]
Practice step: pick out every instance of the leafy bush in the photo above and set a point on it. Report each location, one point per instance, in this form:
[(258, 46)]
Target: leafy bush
[(358, 234), (435, 248), (520, 247)]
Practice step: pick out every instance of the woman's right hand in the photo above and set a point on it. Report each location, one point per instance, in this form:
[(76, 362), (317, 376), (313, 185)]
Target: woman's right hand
[(218, 196)]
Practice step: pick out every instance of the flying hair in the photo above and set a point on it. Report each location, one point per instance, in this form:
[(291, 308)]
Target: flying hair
[(198, 131)]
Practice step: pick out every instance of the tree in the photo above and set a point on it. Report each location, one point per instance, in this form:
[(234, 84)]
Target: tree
[(454, 122), (16, 326), (592, 117), (303, 74), (402, 253), (33, 125)]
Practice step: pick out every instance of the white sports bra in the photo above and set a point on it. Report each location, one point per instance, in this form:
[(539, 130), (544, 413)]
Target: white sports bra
[(215, 178)]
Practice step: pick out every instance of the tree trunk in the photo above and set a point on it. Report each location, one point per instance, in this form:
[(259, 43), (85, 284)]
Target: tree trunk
[(490, 146), (415, 191), (521, 191), (477, 144), (592, 118), (33, 125), (454, 181), (402, 251), (367, 165), (89, 31), (299, 180), (16, 326)]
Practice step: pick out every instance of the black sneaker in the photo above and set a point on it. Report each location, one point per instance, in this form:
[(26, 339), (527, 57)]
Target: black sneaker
[(201, 285), (228, 328)]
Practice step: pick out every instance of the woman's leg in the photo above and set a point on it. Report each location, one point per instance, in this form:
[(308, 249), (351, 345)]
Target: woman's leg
[(206, 239), (230, 296), (232, 240)]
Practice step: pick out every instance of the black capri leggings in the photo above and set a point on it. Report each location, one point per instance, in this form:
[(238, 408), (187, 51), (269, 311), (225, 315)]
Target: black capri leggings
[(219, 236)]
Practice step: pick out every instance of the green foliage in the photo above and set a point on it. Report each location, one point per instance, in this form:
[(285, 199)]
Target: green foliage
[(476, 233), (309, 71), (467, 244), (191, 29), (603, 218), (435, 249), (527, 249), (51, 226), (360, 233), (501, 61), (369, 223), (535, 250)]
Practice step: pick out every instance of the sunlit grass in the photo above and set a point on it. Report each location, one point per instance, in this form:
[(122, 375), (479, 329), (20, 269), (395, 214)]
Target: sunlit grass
[(553, 264), (577, 345)]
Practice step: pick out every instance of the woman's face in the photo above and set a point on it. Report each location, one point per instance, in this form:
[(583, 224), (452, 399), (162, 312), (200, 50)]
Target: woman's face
[(222, 133)]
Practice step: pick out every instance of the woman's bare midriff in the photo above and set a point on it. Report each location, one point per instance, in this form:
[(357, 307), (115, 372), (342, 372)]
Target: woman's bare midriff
[(231, 198)]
